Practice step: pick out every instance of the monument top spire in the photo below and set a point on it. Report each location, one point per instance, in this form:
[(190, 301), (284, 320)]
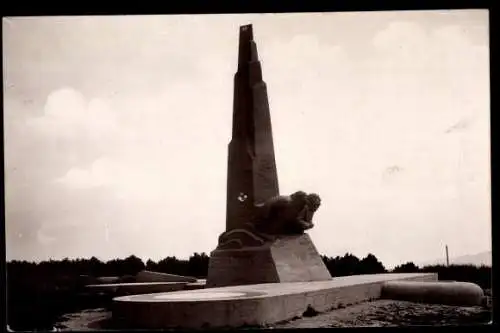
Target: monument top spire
[(247, 47), (247, 29)]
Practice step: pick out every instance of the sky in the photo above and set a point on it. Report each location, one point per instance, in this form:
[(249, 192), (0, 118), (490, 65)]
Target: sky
[(116, 131)]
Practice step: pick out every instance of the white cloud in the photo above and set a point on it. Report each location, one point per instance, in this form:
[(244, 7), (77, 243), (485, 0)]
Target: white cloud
[(406, 40), (67, 114), (44, 239), (99, 174)]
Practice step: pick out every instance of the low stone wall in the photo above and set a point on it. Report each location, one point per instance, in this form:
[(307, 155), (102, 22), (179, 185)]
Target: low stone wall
[(148, 276)]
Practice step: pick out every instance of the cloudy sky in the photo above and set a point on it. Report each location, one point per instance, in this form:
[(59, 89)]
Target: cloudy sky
[(116, 131)]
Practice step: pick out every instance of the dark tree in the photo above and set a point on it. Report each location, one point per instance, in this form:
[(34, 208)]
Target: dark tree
[(342, 266), (133, 265), (151, 265), (348, 265), (172, 265), (95, 266), (408, 267), (371, 265), (467, 273), (198, 265)]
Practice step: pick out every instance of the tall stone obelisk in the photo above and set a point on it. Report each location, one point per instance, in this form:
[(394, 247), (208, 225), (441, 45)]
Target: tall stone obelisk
[(242, 256), (252, 176)]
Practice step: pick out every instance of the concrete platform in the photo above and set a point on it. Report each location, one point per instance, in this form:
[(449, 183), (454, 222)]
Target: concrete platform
[(258, 304), (135, 288), (442, 292)]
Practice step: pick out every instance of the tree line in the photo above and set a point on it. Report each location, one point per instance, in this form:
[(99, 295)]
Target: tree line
[(38, 293), (197, 266), (351, 265)]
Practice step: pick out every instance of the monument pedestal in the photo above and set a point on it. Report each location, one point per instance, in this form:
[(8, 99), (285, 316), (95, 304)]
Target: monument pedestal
[(287, 259)]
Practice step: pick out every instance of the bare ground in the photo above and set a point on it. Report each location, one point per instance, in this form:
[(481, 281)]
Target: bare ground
[(90, 319), (378, 313), (393, 313)]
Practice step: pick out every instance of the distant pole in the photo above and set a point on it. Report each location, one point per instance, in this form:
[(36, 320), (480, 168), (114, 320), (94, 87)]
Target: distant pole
[(447, 258)]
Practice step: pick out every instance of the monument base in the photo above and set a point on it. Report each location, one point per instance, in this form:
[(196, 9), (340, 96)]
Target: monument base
[(287, 259)]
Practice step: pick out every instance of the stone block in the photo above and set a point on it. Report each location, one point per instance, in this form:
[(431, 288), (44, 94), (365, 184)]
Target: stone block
[(288, 259)]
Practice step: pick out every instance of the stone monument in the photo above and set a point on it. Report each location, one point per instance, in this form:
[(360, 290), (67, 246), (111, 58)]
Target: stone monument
[(264, 241)]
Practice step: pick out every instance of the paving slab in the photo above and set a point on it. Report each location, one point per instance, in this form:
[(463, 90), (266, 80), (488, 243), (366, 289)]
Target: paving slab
[(254, 305)]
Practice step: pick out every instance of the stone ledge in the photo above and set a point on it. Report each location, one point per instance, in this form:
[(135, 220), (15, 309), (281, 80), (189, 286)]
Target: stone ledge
[(137, 287)]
